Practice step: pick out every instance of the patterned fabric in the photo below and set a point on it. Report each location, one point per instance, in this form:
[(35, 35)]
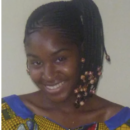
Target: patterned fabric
[(14, 120)]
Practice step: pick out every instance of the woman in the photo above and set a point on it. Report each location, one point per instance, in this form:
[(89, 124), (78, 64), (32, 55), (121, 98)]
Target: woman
[(64, 46)]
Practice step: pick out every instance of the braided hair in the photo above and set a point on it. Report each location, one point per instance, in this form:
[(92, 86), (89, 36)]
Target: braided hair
[(77, 20)]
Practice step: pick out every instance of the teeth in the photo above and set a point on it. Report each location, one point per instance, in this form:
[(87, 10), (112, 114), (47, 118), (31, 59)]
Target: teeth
[(56, 86)]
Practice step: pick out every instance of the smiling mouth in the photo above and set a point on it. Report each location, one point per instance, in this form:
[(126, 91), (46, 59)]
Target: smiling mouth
[(55, 86)]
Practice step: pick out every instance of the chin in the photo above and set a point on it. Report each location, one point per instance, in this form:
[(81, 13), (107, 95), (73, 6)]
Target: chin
[(58, 95), (58, 98)]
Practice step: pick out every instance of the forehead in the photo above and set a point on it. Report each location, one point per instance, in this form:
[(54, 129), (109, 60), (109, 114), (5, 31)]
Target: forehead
[(49, 40)]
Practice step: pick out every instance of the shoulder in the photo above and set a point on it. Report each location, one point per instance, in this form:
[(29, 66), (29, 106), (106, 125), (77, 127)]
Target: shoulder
[(8, 115), (113, 115), (30, 99), (6, 110), (120, 120), (7, 101), (14, 114), (109, 106), (116, 116), (15, 104), (105, 108)]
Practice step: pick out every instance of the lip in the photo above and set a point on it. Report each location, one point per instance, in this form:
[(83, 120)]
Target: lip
[(54, 88)]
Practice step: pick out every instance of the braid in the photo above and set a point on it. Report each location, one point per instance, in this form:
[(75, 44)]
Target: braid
[(61, 16), (93, 36)]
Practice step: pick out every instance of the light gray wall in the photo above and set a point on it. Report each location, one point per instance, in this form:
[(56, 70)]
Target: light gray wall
[(115, 82)]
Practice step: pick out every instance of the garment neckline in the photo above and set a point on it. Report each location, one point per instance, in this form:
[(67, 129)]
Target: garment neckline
[(24, 112), (18, 106)]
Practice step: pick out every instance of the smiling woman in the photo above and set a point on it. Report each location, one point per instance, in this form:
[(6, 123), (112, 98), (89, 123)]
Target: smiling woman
[(51, 62), (64, 46)]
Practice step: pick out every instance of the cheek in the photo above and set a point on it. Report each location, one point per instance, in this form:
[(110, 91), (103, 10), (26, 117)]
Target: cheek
[(35, 75), (72, 69)]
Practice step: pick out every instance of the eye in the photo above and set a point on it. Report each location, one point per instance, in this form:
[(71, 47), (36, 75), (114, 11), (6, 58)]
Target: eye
[(36, 63), (60, 59)]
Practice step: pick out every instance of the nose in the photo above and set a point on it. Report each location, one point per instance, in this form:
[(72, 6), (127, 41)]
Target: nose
[(49, 72)]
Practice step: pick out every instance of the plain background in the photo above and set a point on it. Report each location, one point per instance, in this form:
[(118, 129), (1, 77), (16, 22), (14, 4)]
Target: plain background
[(115, 82)]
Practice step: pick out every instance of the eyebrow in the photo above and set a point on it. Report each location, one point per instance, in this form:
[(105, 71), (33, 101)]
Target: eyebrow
[(63, 49), (54, 53), (32, 55)]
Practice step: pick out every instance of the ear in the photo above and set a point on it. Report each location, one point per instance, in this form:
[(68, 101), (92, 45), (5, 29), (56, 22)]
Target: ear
[(28, 71), (27, 68)]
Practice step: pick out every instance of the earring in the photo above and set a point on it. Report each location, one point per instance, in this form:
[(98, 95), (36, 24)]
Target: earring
[(87, 85)]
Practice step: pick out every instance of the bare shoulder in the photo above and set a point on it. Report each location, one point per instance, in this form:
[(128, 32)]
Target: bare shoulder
[(30, 100), (112, 109), (107, 108)]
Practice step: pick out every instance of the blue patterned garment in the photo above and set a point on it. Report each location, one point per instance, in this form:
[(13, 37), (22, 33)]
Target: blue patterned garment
[(16, 116)]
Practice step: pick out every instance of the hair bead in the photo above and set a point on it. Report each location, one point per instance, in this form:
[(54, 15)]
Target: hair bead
[(82, 77), (76, 91), (82, 60), (81, 103), (92, 81), (78, 96), (90, 73), (99, 73), (86, 73)]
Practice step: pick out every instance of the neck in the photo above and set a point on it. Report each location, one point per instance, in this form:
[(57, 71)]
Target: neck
[(66, 106)]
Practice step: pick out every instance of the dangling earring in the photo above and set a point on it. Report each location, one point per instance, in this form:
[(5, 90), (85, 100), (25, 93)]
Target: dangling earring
[(87, 86)]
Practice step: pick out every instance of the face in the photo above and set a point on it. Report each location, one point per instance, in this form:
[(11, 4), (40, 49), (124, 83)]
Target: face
[(53, 64)]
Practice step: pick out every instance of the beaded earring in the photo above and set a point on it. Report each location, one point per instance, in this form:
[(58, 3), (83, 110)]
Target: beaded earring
[(88, 84)]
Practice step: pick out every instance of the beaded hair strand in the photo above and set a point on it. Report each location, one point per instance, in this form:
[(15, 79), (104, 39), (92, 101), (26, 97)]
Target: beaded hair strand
[(80, 22), (95, 49)]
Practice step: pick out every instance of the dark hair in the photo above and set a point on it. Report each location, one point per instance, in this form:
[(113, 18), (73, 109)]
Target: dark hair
[(77, 20)]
